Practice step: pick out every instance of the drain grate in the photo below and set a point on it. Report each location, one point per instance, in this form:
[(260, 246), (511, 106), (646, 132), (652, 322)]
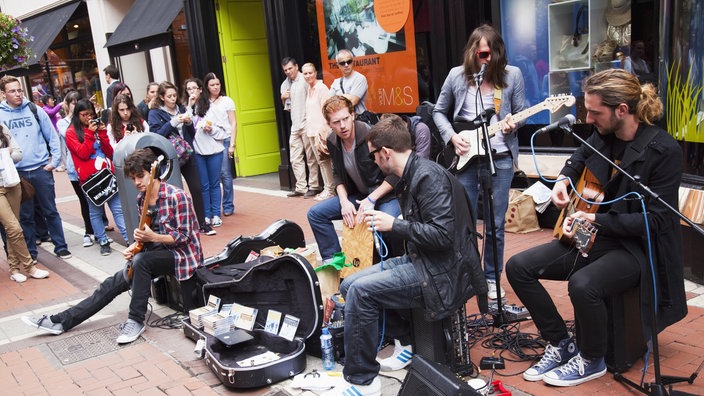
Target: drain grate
[(88, 345)]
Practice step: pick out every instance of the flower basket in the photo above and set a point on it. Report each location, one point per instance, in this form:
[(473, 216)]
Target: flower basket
[(14, 44)]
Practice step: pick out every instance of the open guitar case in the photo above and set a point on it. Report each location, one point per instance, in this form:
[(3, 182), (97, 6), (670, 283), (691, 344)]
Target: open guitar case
[(287, 284)]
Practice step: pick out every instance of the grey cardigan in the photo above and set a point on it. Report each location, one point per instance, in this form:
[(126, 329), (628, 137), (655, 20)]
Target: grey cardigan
[(454, 91)]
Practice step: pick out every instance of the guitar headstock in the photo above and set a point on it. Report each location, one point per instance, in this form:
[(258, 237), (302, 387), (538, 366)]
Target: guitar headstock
[(553, 103)]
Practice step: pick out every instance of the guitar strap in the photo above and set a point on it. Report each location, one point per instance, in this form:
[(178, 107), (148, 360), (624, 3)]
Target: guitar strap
[(637, 148), (497, 99)]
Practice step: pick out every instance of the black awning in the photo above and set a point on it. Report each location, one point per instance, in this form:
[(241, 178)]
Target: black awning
[(44, 27), (145, 26)]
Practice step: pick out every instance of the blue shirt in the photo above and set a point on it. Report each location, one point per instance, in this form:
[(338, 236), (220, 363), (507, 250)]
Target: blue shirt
[(32, 137)]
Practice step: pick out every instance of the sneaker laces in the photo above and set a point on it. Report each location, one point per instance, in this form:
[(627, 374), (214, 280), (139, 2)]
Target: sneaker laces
[(552, 354), (576, 364), (128, 327)]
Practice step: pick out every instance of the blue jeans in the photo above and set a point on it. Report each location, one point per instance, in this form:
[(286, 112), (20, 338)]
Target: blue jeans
[(97, 213), (209, 168), (501, 183), (321, 215), (367, 293), (228, 200), (45, 196)]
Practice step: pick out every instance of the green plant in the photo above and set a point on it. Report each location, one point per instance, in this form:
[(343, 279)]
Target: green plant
[(683, 117), (14, 40)]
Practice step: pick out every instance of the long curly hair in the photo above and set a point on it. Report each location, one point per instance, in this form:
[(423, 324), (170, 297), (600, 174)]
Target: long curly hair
[(116, 120)]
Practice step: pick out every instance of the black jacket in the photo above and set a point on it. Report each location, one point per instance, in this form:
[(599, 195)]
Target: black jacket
[(658, 163), (370, 172), (160, 122), (441, 240)]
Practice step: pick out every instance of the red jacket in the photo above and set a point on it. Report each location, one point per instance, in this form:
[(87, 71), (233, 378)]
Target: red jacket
[(81, 153)]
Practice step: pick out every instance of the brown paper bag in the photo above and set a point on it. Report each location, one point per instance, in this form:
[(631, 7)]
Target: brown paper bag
[(520, 215), (358, 246)]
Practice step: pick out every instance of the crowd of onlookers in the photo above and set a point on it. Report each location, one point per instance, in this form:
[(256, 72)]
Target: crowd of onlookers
[(78, 135)]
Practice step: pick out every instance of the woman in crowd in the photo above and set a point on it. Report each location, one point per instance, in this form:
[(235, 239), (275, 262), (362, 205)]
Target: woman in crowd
[(225, 114), (89, 145), (62, 125), (317, 129), (17, 253), (167, 117), (143, 106), (125, 120), (53, 111)]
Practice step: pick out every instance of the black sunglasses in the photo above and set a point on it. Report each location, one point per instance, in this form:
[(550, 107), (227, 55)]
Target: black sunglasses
[(371, 154), (345, 62), (483, 54)]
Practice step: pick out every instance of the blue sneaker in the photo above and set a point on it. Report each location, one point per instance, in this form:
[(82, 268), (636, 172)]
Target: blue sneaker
[(552, 358), (576, 371)]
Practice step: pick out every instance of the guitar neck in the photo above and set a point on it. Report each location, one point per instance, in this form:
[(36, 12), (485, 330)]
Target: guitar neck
[(520, 116)]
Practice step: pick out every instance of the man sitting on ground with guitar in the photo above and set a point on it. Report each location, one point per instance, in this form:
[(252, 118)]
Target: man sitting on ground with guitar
[(502, 92), (623, 113), (170, 245)]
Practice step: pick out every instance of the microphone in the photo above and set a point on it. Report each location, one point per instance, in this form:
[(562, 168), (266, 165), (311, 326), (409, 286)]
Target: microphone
[(482, 70), (563, 123)]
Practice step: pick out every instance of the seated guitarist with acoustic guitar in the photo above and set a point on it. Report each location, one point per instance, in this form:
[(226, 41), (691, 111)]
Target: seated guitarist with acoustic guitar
[(169, 244), (622, 113)]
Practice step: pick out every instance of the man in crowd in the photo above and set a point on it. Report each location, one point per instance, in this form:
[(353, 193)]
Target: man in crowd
[(359, 183), (33, 131), (112, 76), (622, 113), (293, 96), (352, 85), (171, 246), (439, 272)]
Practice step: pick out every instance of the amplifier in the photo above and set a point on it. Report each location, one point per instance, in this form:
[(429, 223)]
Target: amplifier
[(427, 378), (444, 341)]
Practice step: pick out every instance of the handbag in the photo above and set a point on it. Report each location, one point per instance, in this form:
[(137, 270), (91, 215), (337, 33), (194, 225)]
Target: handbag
[(183, 149), (8, 172), (574, 48), (100, 186), (28, 190), (520, 215)]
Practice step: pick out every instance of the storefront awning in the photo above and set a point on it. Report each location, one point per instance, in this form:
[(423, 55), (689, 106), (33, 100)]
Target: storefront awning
[(44, 27), (144, 27)]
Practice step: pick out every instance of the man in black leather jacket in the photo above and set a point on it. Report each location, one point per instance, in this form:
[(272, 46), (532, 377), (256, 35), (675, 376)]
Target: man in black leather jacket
[(439, 272)]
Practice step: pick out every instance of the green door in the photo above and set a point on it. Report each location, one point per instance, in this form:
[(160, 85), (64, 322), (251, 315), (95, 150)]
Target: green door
[(248, 82)]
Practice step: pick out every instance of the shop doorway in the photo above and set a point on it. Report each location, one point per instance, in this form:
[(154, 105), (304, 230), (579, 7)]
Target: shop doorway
[(247, 81)]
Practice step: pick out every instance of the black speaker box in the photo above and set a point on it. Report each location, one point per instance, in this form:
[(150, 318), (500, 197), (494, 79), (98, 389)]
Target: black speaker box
[(427, 378), (625, 342)]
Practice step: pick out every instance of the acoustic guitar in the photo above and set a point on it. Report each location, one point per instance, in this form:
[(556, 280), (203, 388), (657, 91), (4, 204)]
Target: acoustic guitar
[(473, 134), (145, 216), (584, 235)]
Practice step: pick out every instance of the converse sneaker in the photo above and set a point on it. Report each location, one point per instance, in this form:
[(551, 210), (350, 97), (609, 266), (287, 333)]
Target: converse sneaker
[(491, 294), (105, 249), (400, 359), (207, 221), (131, 330), (64, 254), (18, 277), (87, 240), (576, 371), (44, 323), (347, 389), (205, 229), (216, 221), (552, 358)]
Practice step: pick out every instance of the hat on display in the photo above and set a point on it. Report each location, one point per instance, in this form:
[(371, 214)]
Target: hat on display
[(618, 12)]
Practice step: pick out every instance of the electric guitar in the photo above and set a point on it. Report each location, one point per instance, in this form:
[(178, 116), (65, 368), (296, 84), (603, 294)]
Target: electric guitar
[(473, 134), (145, 216), (584, 235)]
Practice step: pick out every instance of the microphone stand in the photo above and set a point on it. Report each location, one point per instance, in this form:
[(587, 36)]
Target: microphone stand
[(485, 175), (657, 387)]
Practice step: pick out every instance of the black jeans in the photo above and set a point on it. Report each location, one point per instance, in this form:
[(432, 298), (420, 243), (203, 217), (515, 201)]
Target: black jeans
[(605, 272), (146, 266)]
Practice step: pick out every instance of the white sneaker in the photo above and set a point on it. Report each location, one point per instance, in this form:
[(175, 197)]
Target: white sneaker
[(87, 240), (17, 277), (131, 330), (216, 221), (400, 359), (347, 389), (207, 221), (39, 273), (491, 284)]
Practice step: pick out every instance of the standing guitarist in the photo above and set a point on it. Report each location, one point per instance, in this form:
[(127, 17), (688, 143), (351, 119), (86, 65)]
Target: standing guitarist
[(171, 246), (622, 113), (501, 91)]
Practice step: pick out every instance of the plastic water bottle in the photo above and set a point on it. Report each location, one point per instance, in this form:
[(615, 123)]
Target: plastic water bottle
[(327, 349)]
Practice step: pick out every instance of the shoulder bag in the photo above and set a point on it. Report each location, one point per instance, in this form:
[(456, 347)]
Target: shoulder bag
[(100, 186)]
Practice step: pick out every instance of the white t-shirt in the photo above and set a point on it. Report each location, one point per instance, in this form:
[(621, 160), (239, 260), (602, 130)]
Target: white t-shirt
[(356, 85), (208, 143)]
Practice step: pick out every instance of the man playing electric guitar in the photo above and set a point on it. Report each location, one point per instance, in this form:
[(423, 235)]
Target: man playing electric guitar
[(501, 90), (622, 113), (171, 246)]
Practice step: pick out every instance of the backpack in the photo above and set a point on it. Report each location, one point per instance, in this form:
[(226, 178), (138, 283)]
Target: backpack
[(438, 147)]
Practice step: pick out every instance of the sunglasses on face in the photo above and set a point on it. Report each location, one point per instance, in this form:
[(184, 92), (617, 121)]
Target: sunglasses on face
[(345, 62), (483, 54), (371, 154)]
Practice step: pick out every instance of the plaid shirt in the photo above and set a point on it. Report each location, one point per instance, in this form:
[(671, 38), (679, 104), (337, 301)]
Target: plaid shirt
[(177, 218)]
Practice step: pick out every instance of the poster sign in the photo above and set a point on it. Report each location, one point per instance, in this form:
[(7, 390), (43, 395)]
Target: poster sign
[(381, 36)]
